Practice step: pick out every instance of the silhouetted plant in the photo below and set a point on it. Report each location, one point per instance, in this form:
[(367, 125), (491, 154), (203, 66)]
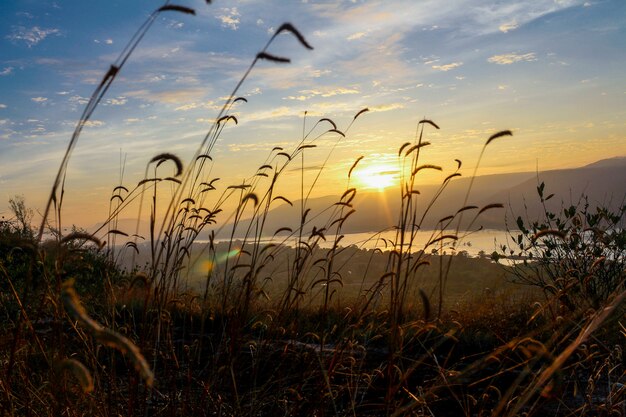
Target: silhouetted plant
[(577, 255)]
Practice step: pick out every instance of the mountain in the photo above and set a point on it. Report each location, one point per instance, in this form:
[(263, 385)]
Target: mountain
[(602, 182), (618, 161)]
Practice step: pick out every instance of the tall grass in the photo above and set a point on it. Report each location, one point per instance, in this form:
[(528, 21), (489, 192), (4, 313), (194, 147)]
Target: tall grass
[(271, 330)]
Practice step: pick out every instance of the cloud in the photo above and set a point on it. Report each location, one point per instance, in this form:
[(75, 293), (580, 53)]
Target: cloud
[(3, 106), (187, 107), (49, 61), (174, 24), (229, 18), (447, 67), (507, 59), (195, 105), (319, 73), (356, 36), (322, 92), (78, 100), (31, 36), (179, 97), (94, 123), (119, 101), (275, 113), (6, 71), (109, 41), (506, 27), (254, 92), (39, 99), (386, 107)]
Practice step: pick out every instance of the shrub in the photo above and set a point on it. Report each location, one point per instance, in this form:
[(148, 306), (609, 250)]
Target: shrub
[(577, 255)]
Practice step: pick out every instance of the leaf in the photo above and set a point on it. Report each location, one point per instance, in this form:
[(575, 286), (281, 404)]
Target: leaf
[(288, 27), (430, 122), (280, 197), (166, 156), (337, 131), (427, 166), (176, 8), (453, 237), (490, 206), (251, 196), (79, 370), (117, 232), (360, 113), (404, 145), (326, 119), (498, 135), (354, 165), (273, 58)]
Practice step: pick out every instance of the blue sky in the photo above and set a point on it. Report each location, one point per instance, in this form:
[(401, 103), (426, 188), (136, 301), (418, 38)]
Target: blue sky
[(550, 70)]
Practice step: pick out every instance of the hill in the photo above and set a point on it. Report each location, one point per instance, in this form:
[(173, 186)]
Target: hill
[(602, 182)]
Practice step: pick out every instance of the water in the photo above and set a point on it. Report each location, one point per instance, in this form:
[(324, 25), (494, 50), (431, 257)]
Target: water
[(473, 243), (486, 241)]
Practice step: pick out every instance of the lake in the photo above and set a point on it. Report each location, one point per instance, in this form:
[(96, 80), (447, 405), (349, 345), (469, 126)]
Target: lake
[(486, 240)]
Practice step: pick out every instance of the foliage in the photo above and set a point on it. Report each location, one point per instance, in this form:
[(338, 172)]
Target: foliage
[(577, 255)]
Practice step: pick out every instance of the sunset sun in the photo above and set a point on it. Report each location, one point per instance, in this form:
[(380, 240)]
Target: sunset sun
[(377, 177)]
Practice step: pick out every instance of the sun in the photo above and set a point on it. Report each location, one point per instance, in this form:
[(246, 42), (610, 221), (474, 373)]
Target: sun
[(377, 177)]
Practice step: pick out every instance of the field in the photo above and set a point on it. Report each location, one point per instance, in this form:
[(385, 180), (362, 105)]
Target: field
[(269, 322)]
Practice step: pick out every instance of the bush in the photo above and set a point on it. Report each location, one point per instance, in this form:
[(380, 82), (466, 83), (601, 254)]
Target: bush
[(577, 255)]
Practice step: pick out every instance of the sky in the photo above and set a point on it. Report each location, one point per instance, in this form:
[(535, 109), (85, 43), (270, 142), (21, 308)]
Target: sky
[(551, 71)]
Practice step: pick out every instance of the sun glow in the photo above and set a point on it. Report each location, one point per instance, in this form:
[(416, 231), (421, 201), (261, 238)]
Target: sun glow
[(377, 177)]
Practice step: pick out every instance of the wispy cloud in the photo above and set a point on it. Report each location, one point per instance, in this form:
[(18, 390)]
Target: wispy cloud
[(178, 96), (357, 35), (507, 27), (210, 105), (3, 106), (31, 36), (447, 67), (322, 92), (386, 107), (118, 101), (94, 123), (507, 59), (39, 99), (6, 71), (275, 113)]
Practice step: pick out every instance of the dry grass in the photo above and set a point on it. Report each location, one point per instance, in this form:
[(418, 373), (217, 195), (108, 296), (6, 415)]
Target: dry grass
[(278, 328)]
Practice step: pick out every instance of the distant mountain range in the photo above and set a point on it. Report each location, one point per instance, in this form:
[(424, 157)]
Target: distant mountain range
[(602, 182)]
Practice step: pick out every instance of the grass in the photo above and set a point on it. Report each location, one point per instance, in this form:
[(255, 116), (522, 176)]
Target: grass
[(280, 327)]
